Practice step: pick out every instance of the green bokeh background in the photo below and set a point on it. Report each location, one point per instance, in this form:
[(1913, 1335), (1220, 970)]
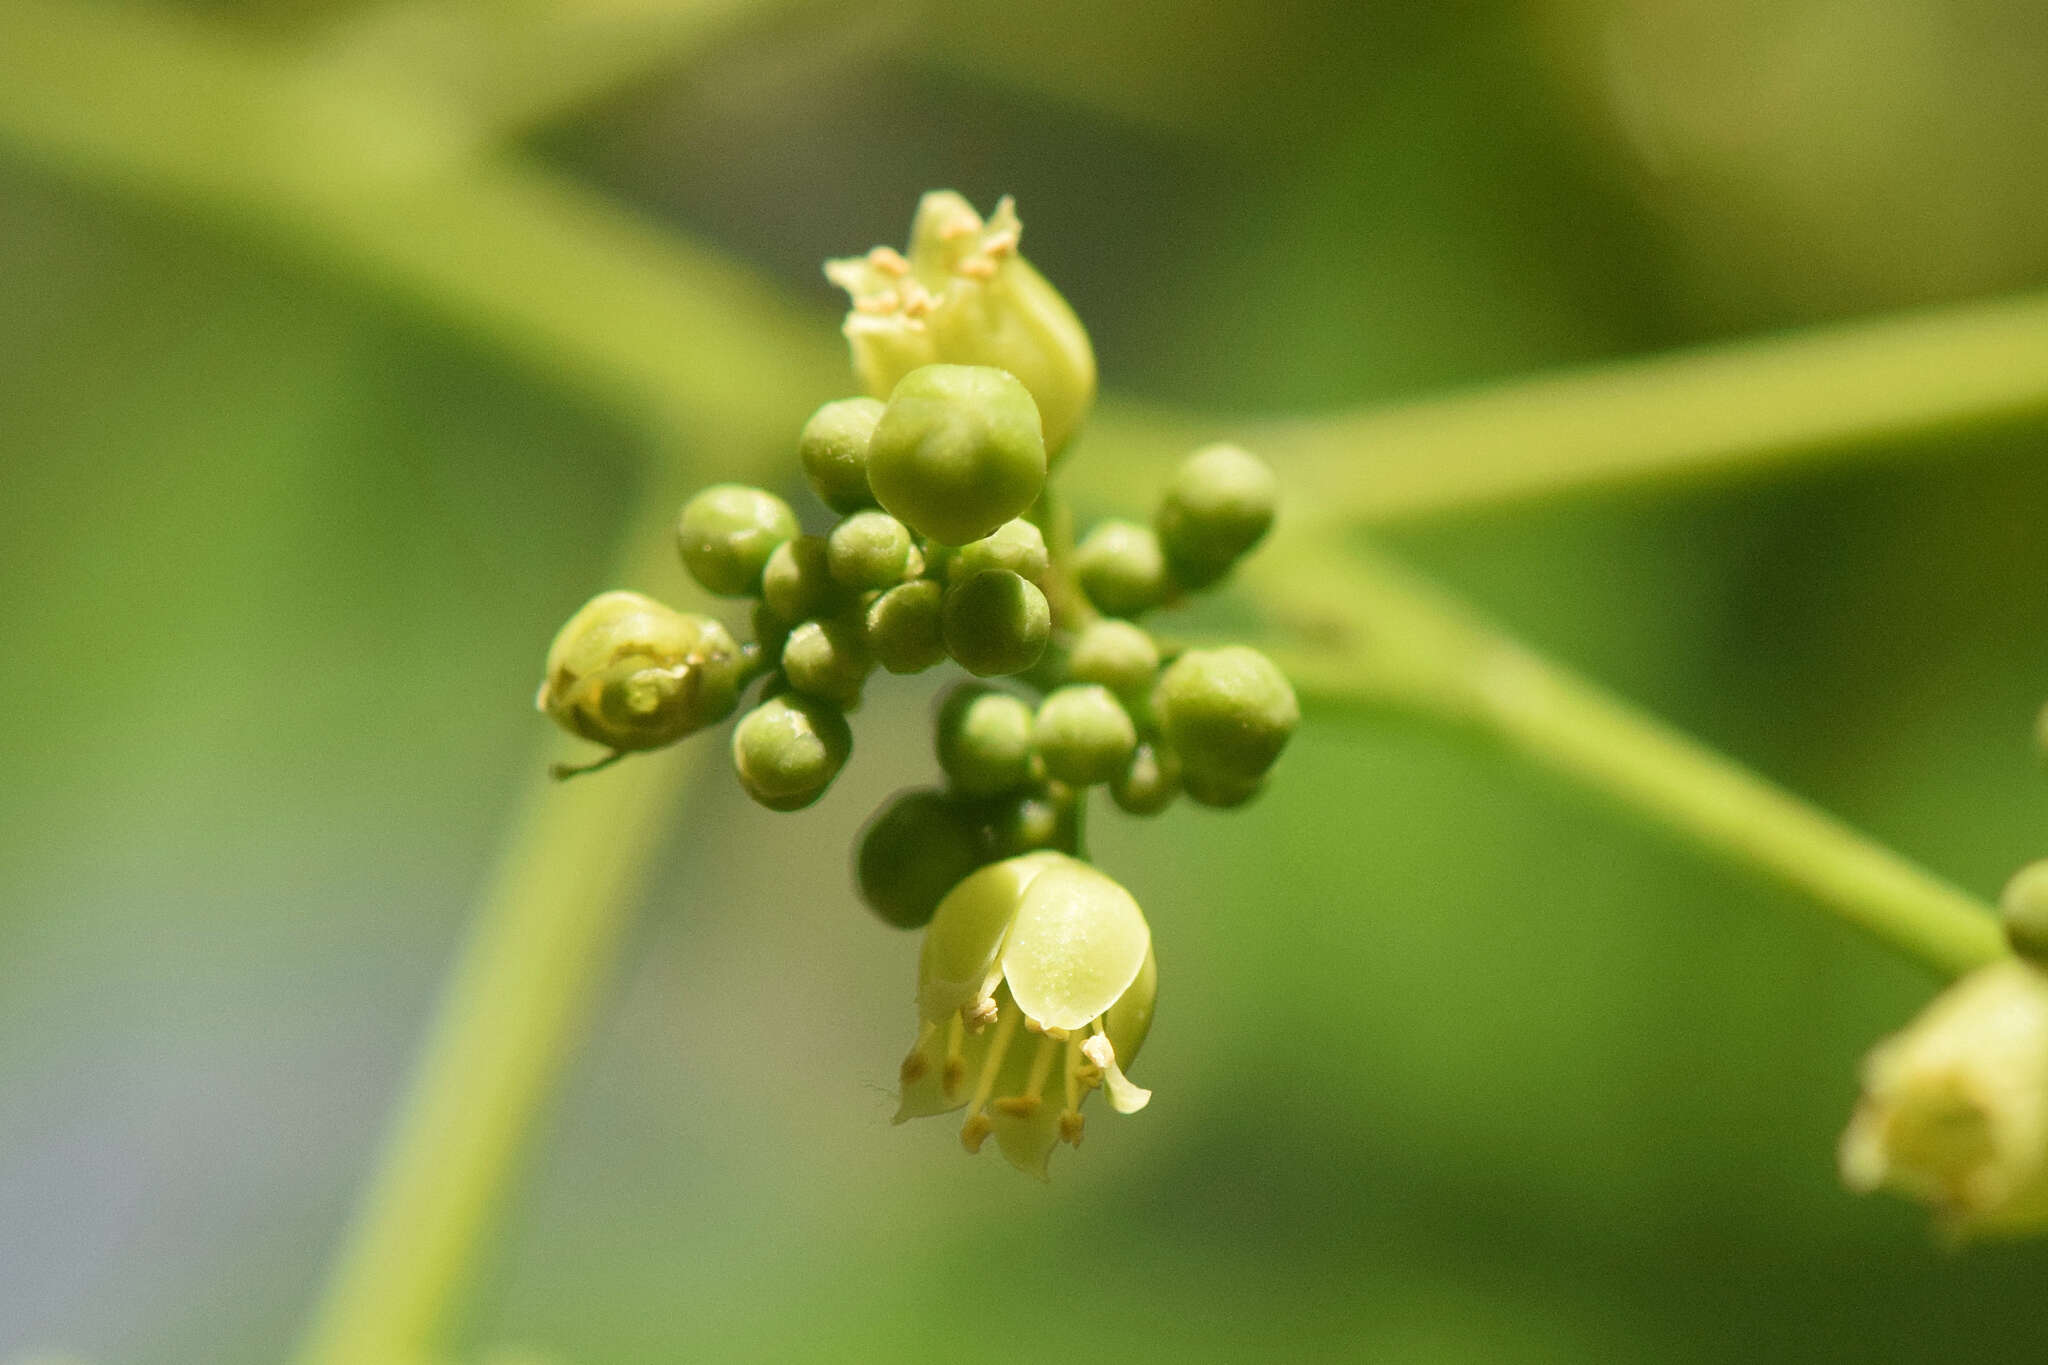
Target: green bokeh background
[(1452, 1063)]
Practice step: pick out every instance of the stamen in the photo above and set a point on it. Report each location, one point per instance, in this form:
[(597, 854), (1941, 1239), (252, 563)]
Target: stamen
[(976, 268), (1098, 1050), (888, 260), (1071, 1127), (1025, 1105), (979, 1015), (1073, 1077), (913, 1069), (956, 1066), (980, 1125)]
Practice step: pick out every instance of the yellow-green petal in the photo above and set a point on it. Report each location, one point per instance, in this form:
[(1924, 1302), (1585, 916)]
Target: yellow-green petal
[(958, 962), (1077, 944)]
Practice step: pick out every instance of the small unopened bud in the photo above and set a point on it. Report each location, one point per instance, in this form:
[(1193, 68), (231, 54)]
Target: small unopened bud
[(628, 672)]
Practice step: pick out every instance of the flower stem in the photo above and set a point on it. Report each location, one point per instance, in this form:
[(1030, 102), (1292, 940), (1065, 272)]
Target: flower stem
[(1380, 638), (1762, 404), (540, 949)]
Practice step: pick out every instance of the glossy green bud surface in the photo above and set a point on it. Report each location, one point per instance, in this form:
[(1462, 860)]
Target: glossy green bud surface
[(828, 660), (628, 672), (984, 740), (1083, 735), (957, 453), (904, 627), (996, 624), (726, 534), (1120, 656), (797, 584), (1028, 821), (788, 749), (919, 846), (1121, 568), (1228, 713), (1221, 503), (1149, 782), (1015, 545), (868, 550), (834, 452)]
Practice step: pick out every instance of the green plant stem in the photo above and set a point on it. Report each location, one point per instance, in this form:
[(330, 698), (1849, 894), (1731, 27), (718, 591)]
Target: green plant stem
[(540, 949), (1378, 637), (399, 189), (1711, 412), (397, 186)]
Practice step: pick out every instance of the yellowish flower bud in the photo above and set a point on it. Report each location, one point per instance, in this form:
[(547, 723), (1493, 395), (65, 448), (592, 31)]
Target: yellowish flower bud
[(1955, 1107), (964, 296), (630, 673)]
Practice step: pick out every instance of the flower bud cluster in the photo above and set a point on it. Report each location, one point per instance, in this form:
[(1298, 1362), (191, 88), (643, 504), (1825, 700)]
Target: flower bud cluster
[(938, 549)]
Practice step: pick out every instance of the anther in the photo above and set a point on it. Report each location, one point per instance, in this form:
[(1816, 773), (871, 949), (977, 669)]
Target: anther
[(1017, 1106), (979, 1015), (888, 260), (951, 1075), (913, 1070), (1097, 1049), (1071, 1127), (976, 268), (975, 1131)]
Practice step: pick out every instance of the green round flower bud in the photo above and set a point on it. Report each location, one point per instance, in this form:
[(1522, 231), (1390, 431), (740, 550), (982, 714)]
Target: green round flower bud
[(904, 627), (1228, 713), (828, 660), (984, 740), (1121, 568), (1083, 735), (1219, 505), (1149, 782), (1026, 821), (834, 452), (2024, 908), (868, 550), (797, 584), (770, 631), (1219, 791), (958, 452), (919, 846), (996, 623), (788, 749), (1015, 545), (1120, 656), (726, 534), (631, 673)]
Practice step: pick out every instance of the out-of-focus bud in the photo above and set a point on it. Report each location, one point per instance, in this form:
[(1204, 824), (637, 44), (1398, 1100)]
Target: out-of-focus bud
[(1955, 1107), (964, 296), (628, 672), (2024, 909)]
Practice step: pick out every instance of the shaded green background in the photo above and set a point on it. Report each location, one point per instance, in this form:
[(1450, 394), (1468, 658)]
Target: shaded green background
[(1452, 1064)]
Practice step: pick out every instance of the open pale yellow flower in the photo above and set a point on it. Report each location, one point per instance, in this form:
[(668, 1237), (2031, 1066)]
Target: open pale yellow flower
[(964, 296), (1955, 1107), (1035, 986)]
